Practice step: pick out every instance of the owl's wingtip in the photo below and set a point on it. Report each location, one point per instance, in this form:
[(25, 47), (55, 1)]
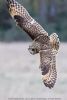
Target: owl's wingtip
[(50, 86), (10, 1)]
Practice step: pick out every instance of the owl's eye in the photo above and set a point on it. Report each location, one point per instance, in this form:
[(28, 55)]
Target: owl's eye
[(33, 49)]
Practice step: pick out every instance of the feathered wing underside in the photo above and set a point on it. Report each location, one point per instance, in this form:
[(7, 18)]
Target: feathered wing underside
[(48, 67), (24, 20)]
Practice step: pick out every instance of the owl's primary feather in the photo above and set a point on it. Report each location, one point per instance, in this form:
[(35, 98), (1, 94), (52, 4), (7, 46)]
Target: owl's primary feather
[(24, 20), (47, 61), (42, 44), (48, 67)]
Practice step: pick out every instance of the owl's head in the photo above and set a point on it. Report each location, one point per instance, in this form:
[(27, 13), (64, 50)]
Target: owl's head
[(34, 48)]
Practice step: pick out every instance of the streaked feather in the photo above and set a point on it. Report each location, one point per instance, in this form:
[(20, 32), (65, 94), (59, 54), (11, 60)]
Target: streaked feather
[(48, 67)]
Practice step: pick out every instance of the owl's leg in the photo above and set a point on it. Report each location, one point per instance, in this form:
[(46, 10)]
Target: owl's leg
[(54, 40)]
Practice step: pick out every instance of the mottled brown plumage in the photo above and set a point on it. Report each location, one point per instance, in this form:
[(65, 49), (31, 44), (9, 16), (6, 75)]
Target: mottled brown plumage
[(48, 67), (46, 46), (24, 20)]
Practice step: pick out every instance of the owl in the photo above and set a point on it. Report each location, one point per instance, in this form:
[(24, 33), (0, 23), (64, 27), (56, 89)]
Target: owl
[(43, 44)]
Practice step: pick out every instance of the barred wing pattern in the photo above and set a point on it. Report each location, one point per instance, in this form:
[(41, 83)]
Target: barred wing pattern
[(47, 61), (48, 67), (37, 33), (24, 20)]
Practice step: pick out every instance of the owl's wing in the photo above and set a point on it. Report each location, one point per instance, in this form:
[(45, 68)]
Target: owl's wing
[(48, 67), (24, 20)]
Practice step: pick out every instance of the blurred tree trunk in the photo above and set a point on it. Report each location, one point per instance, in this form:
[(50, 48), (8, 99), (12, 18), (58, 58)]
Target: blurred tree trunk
[(52, 10), (66, 4), (32, 7), (42, 9), (63, 6)]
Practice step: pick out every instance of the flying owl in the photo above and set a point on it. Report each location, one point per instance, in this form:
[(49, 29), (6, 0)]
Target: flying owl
[(46, 46)]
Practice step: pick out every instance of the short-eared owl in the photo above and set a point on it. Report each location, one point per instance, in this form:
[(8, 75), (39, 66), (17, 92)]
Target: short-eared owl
[(46, 46)]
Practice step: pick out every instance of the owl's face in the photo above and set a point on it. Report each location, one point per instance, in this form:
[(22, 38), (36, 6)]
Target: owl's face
[(34, 48)]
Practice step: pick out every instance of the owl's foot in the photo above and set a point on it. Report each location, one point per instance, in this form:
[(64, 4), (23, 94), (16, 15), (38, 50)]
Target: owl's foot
[(54, 40)]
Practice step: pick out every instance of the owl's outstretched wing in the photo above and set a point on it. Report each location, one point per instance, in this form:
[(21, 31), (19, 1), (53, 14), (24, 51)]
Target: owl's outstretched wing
[(24, 20), (37, 33), (48, 67)]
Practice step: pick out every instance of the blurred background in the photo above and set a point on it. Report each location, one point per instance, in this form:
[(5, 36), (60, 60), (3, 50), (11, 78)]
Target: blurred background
[(51, 14), (20, 76)]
